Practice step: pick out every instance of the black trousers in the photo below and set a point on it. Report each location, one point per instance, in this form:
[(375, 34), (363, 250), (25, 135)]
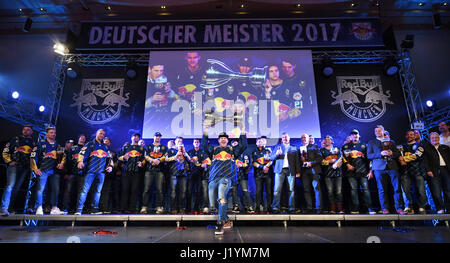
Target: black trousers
[(130, 187), (265, 184)]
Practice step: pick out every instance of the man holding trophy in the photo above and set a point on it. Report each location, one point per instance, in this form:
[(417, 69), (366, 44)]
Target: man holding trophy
[(383, 153)]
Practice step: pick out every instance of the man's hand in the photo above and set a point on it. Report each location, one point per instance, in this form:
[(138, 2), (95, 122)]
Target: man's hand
[(109, 169), (430, 174), (297, 175), (126, 157), (203, 165), (279, 151), (308, 164), (156, 97), (334, 166), (350, 167), (12, 163), (60, 166), (80, 165), (38, 172), (370, 175), (139, 164), (265, 169), (402, 161), (155, 161)]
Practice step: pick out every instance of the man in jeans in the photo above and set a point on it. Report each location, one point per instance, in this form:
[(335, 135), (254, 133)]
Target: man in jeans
[(356, 169), (287, 166), (437, 163), (243, 163), (16, 155), (44, 161), (95, 156), (413, 169), (222, 172), (155, 155), (383, 154), (263, 174)]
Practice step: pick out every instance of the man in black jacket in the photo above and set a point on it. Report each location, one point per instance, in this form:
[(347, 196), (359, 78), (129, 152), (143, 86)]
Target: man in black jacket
[(437, 164), (311, 159)]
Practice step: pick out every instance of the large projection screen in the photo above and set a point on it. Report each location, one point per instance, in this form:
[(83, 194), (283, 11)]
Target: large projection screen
[(270, 91)]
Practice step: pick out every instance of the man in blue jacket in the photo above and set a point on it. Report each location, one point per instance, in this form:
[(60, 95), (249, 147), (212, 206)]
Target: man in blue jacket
[(383, 153)]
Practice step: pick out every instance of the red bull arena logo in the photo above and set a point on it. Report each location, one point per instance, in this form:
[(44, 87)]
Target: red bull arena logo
[(100, 100), (361, 98)]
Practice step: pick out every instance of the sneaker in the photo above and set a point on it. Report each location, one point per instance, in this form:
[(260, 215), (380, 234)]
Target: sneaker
[(95, 211), (39, 211), (372, 212), (66, 212), (422, 211), (78, 213), (106, 212), (205, 210), (401, 212), (408, 211), (4, 212), (143, 210), (385, 212), (227, 225), (354, 212), (441, 211), (159, 210), (219, 230), (235, 209), (30, 211), (56, 211)]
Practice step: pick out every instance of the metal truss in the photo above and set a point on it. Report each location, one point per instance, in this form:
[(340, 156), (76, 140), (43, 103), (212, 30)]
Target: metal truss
[(354, 57)]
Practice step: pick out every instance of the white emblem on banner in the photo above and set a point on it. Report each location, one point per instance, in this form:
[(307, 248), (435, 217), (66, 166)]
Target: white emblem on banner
[(361, 97), (362, 31), (100, 100)]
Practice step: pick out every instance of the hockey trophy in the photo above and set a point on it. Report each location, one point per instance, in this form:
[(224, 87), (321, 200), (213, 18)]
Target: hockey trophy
[(386, 146), (211, 118), (219, 74)]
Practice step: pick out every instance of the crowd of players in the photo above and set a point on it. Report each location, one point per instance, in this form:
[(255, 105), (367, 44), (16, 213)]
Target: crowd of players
[(97, 180)]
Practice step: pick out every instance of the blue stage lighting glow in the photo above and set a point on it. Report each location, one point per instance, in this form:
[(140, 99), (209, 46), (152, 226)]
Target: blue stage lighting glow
[(15, 95), (429, 103), (41, 108)]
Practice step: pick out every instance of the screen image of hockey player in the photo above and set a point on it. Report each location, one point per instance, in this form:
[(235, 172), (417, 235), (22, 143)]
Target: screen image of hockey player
[(271, 91)]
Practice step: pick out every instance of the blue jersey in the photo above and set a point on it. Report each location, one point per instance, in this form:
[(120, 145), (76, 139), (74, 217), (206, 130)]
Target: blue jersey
[(45, 156), (95, 156)]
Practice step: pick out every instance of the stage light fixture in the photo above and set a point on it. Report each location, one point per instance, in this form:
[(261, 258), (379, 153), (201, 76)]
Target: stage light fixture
[(327, 67), (408, 42), (60, 49), (108, 8), (421, 4), (391, 66), (163, 7), (131, 69), (430, 103), (41, 108), (15, 95), (20, 10), (43, 10), (445, 4)]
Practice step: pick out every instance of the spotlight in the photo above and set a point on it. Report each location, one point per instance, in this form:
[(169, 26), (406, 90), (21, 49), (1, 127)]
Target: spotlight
[(20, 9), (163, 7), (42, 10), (445, 4), (430, 103), (242, 5), (299, 5), (327, 67), (352, 4), (421, 4), (15, 95), (41, 108), (60, 49), (108, 8), (391, 66), (131, 69)]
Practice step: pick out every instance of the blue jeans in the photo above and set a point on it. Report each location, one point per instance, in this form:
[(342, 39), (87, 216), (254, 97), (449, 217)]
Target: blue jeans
[(150, 177), (419, 182), (88, 180), (384, 177), (334, 189), (15, 176), (42, 181), (279, 180), (357, 182), (218, 190), (246, 199)]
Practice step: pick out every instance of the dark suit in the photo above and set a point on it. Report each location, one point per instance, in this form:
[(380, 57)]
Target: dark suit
[(441, 174), (281, 173), (383, 170), (310, 176)]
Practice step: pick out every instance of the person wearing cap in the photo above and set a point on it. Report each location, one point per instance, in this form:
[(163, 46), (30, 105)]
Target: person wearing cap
[(44, 162), (133, 156), (94, 159), (73, 180), (223, 171), (197, 186), (384, 153), (155, 155), (356, 169), (263, 174), (331, 170), (178, 163), (16, 155), (243, 164)]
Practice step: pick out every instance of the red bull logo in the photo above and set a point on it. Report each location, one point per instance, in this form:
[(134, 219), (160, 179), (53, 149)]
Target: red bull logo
[(222, 156), (99, 153), (134, 153), (239, 162), (25, 149), (355, 154), (207, 161), (156, 154), (75, 156), (51, 154), (331, 157), (261, 160), (362, 31)]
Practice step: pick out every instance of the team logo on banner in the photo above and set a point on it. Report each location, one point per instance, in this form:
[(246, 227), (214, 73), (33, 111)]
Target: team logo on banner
[(362, 31), (100, 100), (361, 97)]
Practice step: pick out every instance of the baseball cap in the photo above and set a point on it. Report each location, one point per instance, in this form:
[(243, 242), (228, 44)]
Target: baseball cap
[(157, 134), (354, 131)]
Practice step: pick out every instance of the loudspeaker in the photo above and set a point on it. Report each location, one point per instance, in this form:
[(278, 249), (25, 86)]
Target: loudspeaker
[(27, 25), (436, 20)]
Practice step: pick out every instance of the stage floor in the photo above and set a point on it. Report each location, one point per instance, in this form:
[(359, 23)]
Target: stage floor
[(238, 234)]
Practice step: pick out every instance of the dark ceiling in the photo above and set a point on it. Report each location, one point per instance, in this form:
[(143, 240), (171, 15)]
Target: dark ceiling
[(58, 15)]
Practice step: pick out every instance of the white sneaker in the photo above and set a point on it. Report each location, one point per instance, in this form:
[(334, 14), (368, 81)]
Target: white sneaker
[(56, 211), (422, 211), (159, 210), (440, 211), (39, 211), (205, 210), (143, 210), (77, 213)]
